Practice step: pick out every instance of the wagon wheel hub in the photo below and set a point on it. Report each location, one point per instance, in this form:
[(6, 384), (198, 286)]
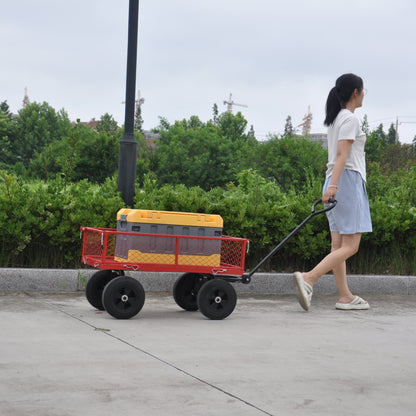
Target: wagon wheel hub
[(218, 299), (124, 298)]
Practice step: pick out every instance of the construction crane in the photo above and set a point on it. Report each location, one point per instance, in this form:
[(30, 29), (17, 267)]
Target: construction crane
[(230, 104), (25, 99), (306, 122), (139, 100)]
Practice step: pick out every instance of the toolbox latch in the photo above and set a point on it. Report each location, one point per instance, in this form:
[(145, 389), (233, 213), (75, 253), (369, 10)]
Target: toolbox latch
[(123, 221)]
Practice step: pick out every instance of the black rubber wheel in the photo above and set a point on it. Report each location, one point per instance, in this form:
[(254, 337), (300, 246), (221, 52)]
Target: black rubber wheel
[(95, 286), (186, 288), (123, 297), (216, 299)]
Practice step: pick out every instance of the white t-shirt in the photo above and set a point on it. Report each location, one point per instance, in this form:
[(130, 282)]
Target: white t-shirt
[(347, 127)]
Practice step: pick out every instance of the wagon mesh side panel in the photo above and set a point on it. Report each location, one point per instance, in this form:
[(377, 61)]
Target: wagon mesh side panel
[(138, 248), (92, 240), (199, 251), (96, 241), (105, 247), (232, 252), (111, 245)]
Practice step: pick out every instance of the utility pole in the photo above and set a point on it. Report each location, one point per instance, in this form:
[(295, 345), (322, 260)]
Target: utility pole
[(128, 145), (397, 129)]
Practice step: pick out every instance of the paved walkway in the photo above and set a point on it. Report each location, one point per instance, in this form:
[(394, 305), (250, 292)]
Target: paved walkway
[(61, 357)]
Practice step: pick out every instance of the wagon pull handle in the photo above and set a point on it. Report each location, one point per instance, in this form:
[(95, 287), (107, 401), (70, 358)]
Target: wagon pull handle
[(332, 203), (247, 277)]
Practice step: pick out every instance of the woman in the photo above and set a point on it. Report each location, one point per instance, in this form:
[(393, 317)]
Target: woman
[(345, 182)]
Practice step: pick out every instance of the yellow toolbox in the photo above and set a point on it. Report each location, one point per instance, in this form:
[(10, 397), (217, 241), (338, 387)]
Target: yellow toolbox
[(159, 247)]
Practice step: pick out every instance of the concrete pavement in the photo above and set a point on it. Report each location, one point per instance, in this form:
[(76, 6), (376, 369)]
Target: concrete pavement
[(61, 357)]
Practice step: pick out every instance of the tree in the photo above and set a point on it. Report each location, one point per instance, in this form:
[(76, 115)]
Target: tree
[(291, 161), (364, 125), (391, 135), (241, 144), (98, 157), (38, 125), (232, 126), (373, 147), (4, 107), (397, 156), (187, 154), (252, 133), (108, 125), (194, 153), (138, 120), (215, 113), (380, 133), (289, 130), (7, 134), (62, 155), (47, 163), (375, 143), (82, 154)]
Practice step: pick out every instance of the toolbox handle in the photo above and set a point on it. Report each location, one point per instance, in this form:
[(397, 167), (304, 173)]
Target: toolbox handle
[(332, 202)]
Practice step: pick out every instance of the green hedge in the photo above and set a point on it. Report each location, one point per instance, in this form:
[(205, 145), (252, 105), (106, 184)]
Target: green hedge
[(40, 221)]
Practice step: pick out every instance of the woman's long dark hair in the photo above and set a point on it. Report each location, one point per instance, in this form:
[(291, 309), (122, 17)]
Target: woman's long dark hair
[(340, 95)]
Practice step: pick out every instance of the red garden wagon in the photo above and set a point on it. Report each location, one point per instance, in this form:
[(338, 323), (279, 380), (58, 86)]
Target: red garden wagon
[(199, 287), (208, 265)]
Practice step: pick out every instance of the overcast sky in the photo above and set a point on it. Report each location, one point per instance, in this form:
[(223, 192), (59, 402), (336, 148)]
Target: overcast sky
[(277, 57)]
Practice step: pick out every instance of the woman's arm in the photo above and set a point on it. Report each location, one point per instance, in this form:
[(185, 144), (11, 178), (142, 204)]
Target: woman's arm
[(344, 147)]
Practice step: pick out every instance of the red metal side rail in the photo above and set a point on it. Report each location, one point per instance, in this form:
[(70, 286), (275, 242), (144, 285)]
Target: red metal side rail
[(106, 248)]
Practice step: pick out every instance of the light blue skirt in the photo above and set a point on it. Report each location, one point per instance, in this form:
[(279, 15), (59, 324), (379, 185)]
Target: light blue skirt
[(351, 215)]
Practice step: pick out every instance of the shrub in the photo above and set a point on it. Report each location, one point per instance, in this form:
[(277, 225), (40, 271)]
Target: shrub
[(40, 220)]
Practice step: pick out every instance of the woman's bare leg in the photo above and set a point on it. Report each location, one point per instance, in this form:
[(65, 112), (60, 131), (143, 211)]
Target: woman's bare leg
[(340, 272), (343, 247)]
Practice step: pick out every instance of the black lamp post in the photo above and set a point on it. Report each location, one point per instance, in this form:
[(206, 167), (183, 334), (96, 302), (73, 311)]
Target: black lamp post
[(128, 144)]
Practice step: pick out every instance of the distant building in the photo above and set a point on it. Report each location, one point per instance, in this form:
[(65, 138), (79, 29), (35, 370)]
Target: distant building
[(319, 137), (92, 123), (151, 138)]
